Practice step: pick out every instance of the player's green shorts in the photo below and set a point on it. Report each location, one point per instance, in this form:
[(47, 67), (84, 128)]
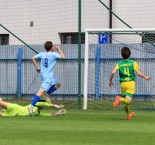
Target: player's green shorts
[(12, 110), (128, 88)]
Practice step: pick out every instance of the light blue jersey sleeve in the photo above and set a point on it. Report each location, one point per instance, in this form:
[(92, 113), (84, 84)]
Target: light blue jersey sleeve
[(57, 55), (42, 54), (38, 56)]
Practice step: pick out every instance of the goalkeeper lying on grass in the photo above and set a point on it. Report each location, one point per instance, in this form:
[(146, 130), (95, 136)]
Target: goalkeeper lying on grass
[(11, 109)]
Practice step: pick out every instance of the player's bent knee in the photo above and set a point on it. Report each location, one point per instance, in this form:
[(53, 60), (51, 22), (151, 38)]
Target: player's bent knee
[(58, 85), (129, 99)]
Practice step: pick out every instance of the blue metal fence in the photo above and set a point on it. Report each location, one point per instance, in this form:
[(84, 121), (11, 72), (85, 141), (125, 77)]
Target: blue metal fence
[(19, 79)]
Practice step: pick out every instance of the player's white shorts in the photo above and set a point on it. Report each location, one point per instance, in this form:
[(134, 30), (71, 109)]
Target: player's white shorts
[(48, 82)]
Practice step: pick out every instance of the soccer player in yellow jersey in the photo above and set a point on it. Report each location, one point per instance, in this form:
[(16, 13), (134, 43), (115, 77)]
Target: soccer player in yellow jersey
[(127, 69)]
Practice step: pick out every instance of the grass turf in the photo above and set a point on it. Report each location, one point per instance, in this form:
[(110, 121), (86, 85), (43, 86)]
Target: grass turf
[(79, 127)]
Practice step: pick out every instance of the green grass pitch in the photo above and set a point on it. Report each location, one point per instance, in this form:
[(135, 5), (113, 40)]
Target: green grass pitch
[(79, 127)]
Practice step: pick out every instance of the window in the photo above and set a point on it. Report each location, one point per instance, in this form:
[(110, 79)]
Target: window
[(4, 39), (71, 38), (148, 37)]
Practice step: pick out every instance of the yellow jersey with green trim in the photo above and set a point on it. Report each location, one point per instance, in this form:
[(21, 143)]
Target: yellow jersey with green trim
[(127, 69)]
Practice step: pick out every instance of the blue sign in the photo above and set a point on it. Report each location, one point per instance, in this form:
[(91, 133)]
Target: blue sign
[(103, 38)]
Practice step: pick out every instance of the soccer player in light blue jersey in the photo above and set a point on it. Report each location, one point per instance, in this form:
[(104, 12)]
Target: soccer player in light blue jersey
[(48, 61)]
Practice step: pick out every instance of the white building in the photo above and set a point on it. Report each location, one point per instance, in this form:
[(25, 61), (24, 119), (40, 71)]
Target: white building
[(35, 21)]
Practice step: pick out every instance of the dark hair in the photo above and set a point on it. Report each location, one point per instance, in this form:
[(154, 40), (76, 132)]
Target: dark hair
[(125, 52), (41, 101), (48, 45)]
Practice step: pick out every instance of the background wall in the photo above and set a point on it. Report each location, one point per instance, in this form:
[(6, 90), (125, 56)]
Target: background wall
[(66, 70), (50, 18)]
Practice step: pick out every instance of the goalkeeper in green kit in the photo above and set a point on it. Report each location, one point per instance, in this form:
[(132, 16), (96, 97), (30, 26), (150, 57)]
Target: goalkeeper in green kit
[(11, 109)]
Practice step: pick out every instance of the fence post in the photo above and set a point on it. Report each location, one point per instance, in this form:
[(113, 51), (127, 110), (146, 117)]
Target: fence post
[(98, 69), (19, 72), (79, 54)]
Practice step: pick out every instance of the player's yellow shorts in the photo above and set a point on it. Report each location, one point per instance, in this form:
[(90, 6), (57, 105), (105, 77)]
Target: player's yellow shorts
[(12, 110), (128, 88)]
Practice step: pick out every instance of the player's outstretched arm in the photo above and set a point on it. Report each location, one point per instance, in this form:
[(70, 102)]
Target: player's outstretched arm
[(60, 52), (57, 106), (35, 64), (45, 104), (60, 112), (139, 73), (111, 77)]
